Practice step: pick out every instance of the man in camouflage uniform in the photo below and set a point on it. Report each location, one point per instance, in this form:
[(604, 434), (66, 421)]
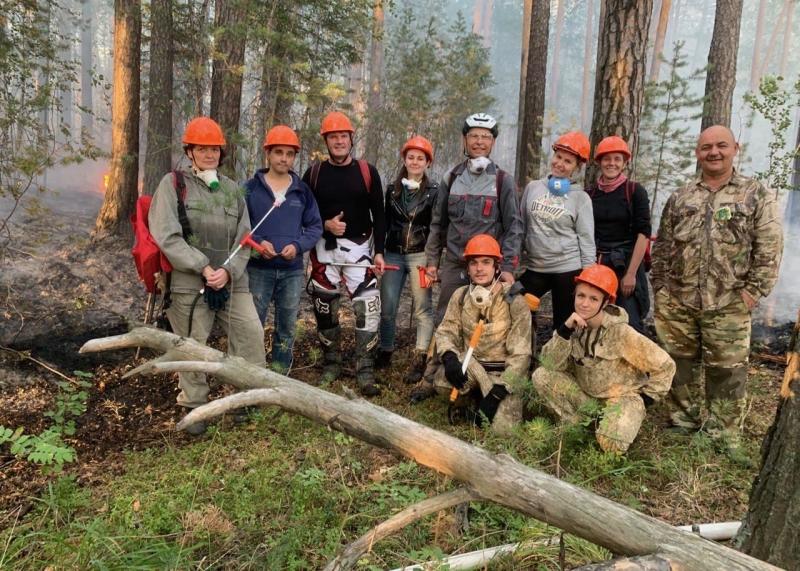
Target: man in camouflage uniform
[(595, 354), (717, 253), (498, 367)]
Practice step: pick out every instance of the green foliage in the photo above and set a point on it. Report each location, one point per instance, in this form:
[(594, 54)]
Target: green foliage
[(48, 449), (664, 156), (776, 103)]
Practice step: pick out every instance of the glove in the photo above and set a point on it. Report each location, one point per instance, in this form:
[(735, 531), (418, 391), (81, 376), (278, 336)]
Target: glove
[(648, 400), (489, 405), (216, 298), (452, 370)]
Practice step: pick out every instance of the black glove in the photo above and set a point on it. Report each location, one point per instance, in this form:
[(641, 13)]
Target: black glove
[(489, 404), (452, 370), (216, 298), (648, 400)]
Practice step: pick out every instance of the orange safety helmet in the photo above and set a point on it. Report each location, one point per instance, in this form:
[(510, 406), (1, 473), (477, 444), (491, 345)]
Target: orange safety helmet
[(419, 143), (612, 144), (281, 135), (483, 245), (203, 131), (335, 121), (601, 277), (574, 142)]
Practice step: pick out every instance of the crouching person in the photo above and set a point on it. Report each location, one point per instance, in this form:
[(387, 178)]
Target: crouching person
[(597, 355), (498, 365)]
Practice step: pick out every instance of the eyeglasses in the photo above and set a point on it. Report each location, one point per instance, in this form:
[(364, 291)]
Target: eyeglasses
[(479, 137)]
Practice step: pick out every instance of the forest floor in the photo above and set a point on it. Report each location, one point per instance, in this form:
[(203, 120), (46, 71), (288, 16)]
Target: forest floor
[(279, 492)]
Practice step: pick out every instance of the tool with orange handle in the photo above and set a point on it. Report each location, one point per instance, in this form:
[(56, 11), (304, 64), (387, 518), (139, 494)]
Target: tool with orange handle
[(532, 301), (473, 342)]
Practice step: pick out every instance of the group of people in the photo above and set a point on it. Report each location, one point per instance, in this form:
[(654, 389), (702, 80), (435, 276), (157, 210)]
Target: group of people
[(493, 253)]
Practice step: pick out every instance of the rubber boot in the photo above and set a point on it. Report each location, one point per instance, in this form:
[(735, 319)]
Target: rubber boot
[(366, 342), (332, 356), (417, 369), (686, 403), (423, 390)]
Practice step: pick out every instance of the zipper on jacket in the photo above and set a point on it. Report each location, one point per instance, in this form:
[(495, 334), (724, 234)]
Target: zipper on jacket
[(411, 227)]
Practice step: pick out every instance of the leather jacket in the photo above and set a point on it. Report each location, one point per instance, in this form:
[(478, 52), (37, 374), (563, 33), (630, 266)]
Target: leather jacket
[(407, 228)]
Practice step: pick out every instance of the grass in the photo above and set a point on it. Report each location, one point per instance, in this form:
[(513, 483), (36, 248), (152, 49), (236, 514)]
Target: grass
[(284, 493)]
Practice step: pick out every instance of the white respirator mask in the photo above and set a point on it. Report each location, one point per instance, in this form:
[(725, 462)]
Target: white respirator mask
[(478, 164), (482, 295), (209, 177), (410, 184)]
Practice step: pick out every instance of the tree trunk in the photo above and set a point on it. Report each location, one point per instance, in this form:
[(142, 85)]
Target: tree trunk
[(787, 39), (66, 96), (755, 66), (588, 44), (374, 134), (721, 75), (482, 20), (227, 73), (492, 477), (199, 73), (87, 36), (773, 38), (771, 528), (554, 74), (529, 138), (355, 89), (120, 198), (621, 71), (158, 155), (661, 33), (527, 7)]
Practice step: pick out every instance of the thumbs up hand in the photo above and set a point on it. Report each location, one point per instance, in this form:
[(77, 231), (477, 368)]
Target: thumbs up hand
[(335, 225)]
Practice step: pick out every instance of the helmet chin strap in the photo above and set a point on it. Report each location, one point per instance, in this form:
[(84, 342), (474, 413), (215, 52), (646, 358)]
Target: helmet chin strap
[(602, 307)]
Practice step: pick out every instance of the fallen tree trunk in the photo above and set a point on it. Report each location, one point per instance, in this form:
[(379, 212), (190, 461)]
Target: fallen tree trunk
[(648, 563), (493, 477)]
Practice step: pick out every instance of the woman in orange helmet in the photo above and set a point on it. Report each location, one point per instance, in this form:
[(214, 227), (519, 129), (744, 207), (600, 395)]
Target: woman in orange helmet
[(197, 218), (622, 227), (559, 227), (409, 205), (595, 354)]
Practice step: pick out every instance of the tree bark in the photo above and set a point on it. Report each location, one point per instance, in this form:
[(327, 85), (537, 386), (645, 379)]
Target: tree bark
[(661, 33), (158, 154), (66, 96), (646, 563), (755, 65), (120, 198), (529, 138), (482, 20), (621, 72), (787, 39), (527, 7), (773, 38), (87, 36), (493, 477), (721, 75), (588, 43), (771, 528), (227, 74), (374, 134), (554, 74)]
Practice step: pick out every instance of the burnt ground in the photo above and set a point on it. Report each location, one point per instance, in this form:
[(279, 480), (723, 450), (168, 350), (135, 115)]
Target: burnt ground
[(58, 290)]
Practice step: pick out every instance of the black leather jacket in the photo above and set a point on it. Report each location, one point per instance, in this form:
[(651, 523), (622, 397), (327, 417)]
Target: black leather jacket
[(407, 230)]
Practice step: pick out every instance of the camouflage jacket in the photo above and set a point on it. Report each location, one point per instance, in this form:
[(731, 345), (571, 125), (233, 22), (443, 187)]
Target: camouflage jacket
[(506, 335), (611, 361), (218, 219), (711, 245)]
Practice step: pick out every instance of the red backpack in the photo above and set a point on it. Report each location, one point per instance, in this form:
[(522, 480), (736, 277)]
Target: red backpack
[(147, 257)]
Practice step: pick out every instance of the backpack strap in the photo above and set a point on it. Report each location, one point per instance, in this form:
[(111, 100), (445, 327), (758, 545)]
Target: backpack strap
[(314, 178), (365, 174), (180, 192)]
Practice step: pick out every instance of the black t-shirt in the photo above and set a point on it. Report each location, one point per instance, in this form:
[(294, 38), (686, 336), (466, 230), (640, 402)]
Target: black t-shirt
[(616, 221), (342, 189)]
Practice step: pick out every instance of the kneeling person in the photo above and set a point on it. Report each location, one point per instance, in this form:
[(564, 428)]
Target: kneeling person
[(499, 363), (596, 354)]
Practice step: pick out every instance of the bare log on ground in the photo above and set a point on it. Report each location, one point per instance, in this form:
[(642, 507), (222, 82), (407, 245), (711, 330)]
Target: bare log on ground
[(648, 563), (494, 477)]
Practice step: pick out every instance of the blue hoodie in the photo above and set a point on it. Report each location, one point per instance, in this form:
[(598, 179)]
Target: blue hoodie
[(296, 221)]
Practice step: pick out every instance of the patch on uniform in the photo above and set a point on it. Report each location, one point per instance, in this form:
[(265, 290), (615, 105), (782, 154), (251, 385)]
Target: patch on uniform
[(723, 213)]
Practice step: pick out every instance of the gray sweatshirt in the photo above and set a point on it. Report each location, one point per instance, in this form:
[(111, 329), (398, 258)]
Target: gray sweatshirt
[(559, 230)]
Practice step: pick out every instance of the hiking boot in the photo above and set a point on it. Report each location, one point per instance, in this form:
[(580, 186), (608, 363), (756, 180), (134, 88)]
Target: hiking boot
[(383, 360), (370, 390), (197, 429), (417, 369), (366, 341), (332, 357), (422, 390), (330, 373), (243, 415)]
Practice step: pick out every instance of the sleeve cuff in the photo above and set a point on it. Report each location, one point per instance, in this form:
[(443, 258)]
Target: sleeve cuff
[(564, 332)]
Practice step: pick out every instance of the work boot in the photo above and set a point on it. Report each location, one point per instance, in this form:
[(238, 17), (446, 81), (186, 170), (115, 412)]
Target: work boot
[(366, 341), (243, 415), (197, 429), (423, 390), (417, 369), (331, 356), (383, 360)]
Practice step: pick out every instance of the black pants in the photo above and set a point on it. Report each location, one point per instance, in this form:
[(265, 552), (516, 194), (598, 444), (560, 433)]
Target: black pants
[(562, 288)]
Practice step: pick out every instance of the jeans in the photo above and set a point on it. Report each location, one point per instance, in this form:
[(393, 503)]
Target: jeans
[(284, 287), (392, 286)]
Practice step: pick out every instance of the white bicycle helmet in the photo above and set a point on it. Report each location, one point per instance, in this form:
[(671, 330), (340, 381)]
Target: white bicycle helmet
[(482, 120)]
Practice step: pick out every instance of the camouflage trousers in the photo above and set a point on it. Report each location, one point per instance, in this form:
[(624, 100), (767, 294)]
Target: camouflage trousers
[(714, 344), (621, 416), (509, 413)]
